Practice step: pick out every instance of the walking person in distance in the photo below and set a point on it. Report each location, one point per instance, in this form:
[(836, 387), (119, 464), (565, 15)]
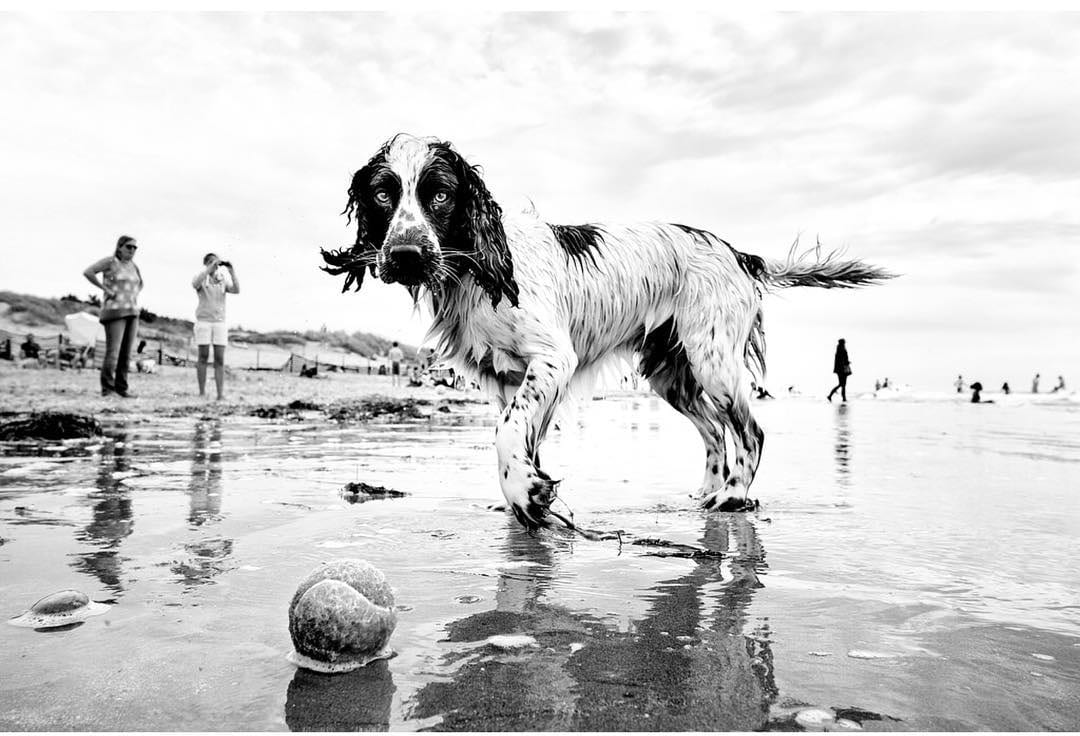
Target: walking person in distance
[(842, 369)]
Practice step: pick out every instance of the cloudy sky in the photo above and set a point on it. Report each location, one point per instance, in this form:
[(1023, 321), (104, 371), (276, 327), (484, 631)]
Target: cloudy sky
[(945, 147)]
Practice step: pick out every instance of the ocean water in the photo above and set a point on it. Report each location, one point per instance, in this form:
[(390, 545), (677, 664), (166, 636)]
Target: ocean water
[(914, 566)]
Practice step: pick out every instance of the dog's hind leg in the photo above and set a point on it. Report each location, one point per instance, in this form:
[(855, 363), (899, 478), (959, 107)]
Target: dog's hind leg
[(521, 427), (676, 385), (710, 425), (725, 377), (665, 363), (747, 438)]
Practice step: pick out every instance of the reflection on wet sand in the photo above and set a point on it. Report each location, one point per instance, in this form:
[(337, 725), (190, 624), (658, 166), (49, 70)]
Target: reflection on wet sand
[(113, 516), (688, 664), (842, 447), (204, 487), (352, 701), (205, 557)]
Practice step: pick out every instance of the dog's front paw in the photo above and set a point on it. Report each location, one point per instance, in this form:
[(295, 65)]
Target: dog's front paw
[(532, 509)]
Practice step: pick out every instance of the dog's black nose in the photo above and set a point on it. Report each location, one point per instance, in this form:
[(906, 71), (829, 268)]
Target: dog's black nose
[(407, 257)]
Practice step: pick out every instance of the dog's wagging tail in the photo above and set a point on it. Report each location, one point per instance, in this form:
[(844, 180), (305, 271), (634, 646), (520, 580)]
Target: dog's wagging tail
[(534, 310)]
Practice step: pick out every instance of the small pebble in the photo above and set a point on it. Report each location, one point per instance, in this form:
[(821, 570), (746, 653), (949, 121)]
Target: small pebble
[(815, 719), (511, 641), (843, 724), (867, 654)]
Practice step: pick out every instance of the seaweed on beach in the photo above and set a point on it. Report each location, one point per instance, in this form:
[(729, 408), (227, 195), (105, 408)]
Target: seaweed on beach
[(274, 412), (859, 715), (284, 411), (677, 550), (359, 410), (360, 492), (50, 425), (377, 406)]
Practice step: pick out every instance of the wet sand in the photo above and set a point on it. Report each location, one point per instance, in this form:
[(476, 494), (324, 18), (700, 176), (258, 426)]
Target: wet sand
[(174, 390), (913, 568)]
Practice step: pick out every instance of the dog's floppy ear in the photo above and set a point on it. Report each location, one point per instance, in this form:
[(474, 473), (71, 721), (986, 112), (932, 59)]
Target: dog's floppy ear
[(353, 261), (477, 228)]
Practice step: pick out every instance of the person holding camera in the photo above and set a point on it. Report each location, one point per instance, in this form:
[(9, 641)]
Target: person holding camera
[(212, 284)]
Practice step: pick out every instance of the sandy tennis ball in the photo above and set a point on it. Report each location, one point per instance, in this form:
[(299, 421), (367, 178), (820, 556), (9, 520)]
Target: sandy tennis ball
[(59, 609), (341, 617)]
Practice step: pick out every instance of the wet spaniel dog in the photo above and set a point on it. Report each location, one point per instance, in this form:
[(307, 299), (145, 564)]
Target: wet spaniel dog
[(534, 310)]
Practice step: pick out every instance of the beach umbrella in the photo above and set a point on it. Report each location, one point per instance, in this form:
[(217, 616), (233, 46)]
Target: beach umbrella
[(85, 328)]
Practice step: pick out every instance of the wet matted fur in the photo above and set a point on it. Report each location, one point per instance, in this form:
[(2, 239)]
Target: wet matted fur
[(535, 310)]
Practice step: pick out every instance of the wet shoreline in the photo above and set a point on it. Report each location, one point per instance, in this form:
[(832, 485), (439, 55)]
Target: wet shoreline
[(887, 579)]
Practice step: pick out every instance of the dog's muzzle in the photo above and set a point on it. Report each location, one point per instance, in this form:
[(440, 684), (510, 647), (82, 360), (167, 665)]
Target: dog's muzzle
[(408, 258)]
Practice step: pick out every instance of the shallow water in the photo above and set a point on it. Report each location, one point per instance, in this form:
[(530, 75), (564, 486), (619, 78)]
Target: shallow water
[(914, 564)]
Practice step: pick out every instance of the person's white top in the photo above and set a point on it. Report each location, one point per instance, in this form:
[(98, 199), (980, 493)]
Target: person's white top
[(211, 288)]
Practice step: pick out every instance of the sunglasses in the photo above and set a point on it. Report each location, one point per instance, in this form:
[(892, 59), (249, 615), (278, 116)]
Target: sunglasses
[(131, 247)]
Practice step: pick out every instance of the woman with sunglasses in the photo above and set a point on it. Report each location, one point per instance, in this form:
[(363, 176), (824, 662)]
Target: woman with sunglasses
[(121, 283)]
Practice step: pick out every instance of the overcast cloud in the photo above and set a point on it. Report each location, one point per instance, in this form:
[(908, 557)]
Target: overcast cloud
[(942, 146)]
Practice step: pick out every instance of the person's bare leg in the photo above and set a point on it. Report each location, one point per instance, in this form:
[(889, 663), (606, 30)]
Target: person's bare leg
[(200, 368), (219, 370)]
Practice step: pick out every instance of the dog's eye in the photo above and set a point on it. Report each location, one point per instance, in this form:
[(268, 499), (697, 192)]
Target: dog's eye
[(441, 197), (382, 196)]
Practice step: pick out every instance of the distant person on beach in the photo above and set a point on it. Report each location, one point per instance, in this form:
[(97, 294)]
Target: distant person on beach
[(121, 282), (976, 394), (1005, 388), (211, 284), (396, 355), (30, 347), (842, 369), (1060, 385), (5, 349), (30, 353), (959, 384), (1035, 384)]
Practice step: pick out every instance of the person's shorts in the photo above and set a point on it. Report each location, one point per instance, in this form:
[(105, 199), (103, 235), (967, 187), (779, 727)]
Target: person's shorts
[(211, 333), (395, 369)]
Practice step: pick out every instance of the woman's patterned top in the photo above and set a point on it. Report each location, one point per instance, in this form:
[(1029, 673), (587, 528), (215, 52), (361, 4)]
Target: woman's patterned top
[(125, 282)]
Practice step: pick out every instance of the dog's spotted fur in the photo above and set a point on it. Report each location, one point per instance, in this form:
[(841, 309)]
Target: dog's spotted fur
[(535, 310)]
